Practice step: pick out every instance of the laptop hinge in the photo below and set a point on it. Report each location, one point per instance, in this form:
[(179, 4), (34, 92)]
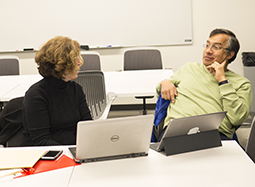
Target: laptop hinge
[(132, 155)]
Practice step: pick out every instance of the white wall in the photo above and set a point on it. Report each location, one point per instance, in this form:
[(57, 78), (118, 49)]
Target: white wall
[(236, 15)]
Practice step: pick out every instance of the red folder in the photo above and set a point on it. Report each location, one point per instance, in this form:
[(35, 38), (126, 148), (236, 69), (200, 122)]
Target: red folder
[(48, 165)]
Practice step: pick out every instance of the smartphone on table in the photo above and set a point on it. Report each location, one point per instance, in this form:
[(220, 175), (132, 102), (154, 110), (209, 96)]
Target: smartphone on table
[(51, 154)]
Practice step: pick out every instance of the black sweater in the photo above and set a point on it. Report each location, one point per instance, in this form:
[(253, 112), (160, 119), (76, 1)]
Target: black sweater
[(51, 110)]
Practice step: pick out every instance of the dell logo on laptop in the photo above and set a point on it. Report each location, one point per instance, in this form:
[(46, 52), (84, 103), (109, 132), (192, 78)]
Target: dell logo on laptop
[(115, 138)]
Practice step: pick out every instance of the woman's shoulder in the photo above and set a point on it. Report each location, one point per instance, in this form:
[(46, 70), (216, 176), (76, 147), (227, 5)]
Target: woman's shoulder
[(75, 85), (36, 88)]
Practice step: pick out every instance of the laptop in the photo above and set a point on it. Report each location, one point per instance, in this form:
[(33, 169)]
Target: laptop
[(112, 138), (190, 125)]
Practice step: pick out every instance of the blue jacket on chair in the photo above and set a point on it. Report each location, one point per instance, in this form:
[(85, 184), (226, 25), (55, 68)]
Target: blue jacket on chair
[(160, 113)]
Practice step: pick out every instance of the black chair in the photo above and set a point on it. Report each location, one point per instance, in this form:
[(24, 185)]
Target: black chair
[(142, 59), (94, 88), (9, 65), (11, 126), (91, 61)]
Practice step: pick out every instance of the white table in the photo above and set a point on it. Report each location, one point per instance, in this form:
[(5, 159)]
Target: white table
[(217, 167), (53, 178), (132, 84), (23, 83), (59, 177), (135, 83), (123, 83), (223, 166), (9, 83)]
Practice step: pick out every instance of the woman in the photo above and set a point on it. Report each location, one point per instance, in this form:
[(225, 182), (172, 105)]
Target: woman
[(53, 106)]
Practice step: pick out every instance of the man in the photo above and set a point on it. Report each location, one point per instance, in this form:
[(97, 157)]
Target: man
[(208, 87)]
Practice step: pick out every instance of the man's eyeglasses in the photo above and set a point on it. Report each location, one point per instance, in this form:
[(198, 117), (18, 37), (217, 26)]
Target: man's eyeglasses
[(213, 47)]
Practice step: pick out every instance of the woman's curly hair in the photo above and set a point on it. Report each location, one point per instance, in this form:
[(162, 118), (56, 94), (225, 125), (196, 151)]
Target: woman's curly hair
[(58, 56)]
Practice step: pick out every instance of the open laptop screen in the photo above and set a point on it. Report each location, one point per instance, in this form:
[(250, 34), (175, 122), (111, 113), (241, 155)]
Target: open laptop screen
[(129, 136)]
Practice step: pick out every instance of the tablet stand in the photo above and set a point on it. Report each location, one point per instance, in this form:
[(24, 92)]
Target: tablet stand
[(193, 142)]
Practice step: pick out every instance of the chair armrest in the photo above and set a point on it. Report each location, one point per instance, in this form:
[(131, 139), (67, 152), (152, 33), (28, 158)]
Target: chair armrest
[(111, 96)]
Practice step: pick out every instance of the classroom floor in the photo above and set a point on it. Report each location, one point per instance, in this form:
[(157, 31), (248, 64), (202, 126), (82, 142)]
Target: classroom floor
[(242, 133)]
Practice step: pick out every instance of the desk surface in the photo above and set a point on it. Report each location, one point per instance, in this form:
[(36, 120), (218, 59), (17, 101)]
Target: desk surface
[(124, 83), (222, 166), (59, 177), (9, 83), (20, 85), (135, 83)]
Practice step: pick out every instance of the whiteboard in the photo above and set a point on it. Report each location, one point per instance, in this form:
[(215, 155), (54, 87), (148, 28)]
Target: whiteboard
[(97, 23)]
